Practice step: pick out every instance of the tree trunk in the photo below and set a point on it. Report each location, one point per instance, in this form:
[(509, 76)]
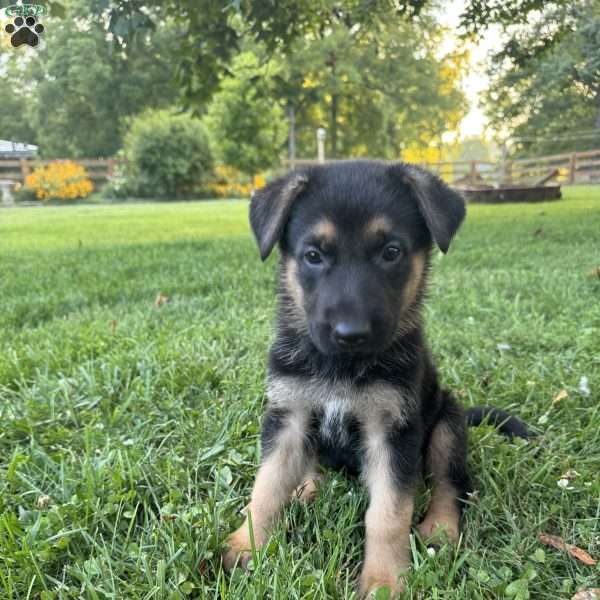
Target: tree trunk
[(291, 135), (334, 106), (333, 125)]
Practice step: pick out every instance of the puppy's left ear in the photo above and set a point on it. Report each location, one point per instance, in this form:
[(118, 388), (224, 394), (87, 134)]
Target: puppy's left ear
[(270, 207), (442, 208)]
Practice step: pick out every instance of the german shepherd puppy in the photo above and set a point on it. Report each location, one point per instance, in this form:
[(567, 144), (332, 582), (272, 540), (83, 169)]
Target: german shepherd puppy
[(351, 383)]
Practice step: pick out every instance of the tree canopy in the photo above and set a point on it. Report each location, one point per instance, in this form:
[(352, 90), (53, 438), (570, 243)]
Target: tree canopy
[(370, 71), (546, 96), (74, 96)]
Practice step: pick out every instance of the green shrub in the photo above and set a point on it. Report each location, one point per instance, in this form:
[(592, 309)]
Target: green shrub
[(22, 193), (168, 156)]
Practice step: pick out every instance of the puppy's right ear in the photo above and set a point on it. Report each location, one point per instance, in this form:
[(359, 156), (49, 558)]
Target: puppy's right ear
[(270, 207)]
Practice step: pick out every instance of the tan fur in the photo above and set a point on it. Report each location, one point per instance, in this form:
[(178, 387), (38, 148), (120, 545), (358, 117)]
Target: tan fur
[(365, 402), (325, 230), (410, 318), (307, 492), (295, 306), (292, 284), (443, 514), (413, 285), (279, 474), (388, 520), (377, 226)]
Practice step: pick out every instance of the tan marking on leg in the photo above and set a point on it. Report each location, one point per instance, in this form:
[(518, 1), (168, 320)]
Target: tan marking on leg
[(443, 513), (280, 472), (377, 226), (388, 521)]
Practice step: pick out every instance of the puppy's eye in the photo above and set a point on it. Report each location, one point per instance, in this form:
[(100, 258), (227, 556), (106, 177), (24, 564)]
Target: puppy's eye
[(313, 257), (391, 253)]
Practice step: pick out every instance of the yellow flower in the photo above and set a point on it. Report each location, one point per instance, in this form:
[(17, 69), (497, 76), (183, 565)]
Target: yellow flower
[(229, 182), (60, 180)]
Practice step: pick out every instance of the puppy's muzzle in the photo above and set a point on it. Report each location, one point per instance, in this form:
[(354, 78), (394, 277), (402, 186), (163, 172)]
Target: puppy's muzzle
[(351, 335)]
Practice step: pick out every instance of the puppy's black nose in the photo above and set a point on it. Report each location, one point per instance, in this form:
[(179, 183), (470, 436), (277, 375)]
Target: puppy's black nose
[(349, 334)]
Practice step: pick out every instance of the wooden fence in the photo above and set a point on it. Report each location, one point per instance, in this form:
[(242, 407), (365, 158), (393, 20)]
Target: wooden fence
[(99, 170), (566, 169)]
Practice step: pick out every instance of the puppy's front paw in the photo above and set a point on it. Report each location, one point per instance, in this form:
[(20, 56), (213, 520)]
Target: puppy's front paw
[(373, 578), (307, 492), (438, 528), (238, 549)]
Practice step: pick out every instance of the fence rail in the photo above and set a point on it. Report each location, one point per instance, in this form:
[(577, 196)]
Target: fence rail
[(566, 169), (99, 169)]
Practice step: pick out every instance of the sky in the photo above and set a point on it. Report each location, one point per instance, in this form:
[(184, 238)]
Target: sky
[(476, 81)]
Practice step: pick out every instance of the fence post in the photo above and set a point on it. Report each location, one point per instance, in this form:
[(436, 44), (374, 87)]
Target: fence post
[(508, 171), (25, 169), (321, 134), (473, 172), (572, 167)]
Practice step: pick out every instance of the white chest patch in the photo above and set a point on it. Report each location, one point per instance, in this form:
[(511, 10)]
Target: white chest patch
[(333, 426)]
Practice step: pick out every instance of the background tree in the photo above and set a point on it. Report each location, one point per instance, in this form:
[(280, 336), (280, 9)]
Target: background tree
[(547, 98), (15, 99), (377, 91), (247, 127), (357, 67), (212, 33), (73, 97)]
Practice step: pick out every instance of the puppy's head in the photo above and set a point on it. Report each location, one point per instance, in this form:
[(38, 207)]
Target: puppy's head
[(354, 239)]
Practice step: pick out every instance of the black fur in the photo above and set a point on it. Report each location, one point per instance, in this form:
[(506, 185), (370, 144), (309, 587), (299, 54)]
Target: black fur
[(506, 424), (374, 285), (425, 210), (272, 424), (343, 451), (405, 443)]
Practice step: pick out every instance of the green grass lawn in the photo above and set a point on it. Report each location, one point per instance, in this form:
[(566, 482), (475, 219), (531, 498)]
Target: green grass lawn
[(129, 434)]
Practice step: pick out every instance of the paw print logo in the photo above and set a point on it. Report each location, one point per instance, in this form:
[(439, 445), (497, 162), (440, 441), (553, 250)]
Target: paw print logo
[(24, 31)]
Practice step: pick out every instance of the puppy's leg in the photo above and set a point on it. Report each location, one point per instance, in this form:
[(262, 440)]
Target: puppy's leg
[(446, 461), (392, 469), (286, 459), (307, 491)]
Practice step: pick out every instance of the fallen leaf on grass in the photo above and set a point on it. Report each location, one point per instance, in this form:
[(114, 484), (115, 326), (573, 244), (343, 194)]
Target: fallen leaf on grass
[(560, 544), (160, 300), (43, 501), (595, 272), (168, 517), (113, 326), (591, 594), (560, 396), (570, 474)]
